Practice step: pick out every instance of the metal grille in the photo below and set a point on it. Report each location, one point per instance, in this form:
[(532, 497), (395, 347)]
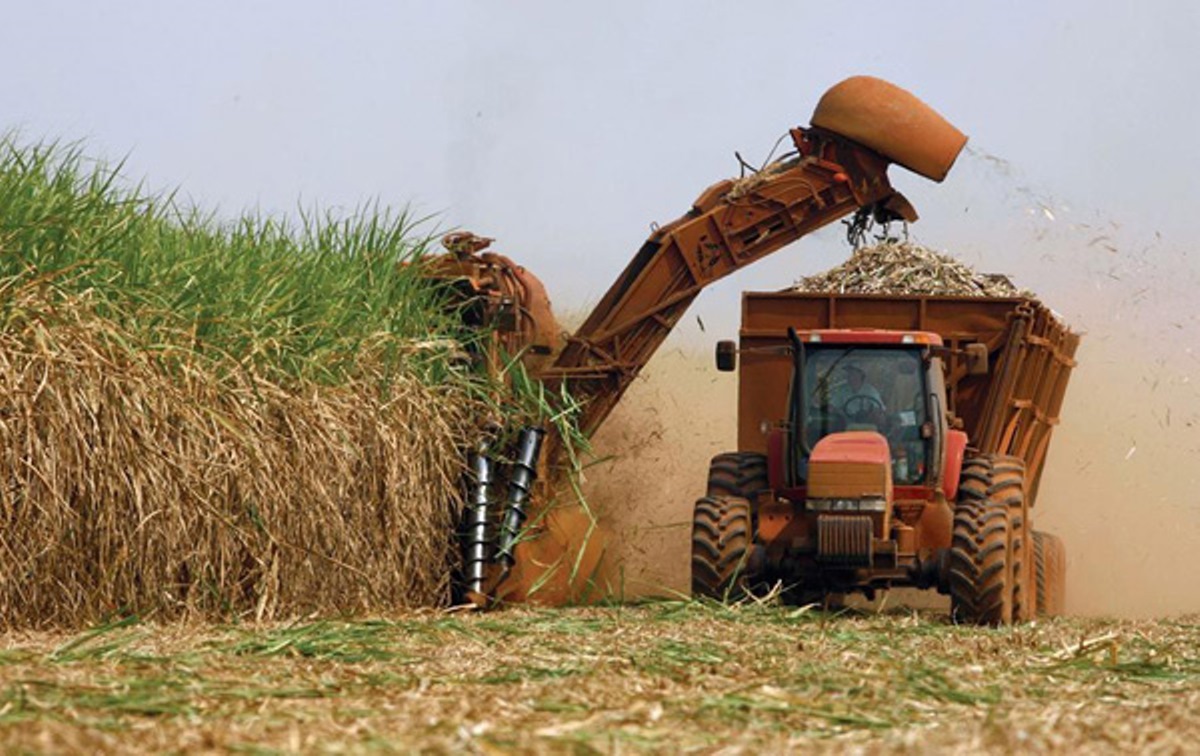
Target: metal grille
[(845, 540)]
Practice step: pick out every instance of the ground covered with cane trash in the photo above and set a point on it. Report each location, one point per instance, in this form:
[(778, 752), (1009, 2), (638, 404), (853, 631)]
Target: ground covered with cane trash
[(678, 676)]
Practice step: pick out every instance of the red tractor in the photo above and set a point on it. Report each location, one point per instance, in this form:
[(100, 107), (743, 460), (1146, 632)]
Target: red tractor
[(889, 441)]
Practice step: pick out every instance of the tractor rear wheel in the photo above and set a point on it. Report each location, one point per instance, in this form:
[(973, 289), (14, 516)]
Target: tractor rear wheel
[(741, 474), (722, 539), (988, 585), (1050, 573)]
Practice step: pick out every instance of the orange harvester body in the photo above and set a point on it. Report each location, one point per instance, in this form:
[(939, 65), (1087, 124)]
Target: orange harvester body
[(838, 168)]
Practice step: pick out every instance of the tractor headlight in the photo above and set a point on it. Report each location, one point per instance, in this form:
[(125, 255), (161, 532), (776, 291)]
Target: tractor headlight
[(865, 506)]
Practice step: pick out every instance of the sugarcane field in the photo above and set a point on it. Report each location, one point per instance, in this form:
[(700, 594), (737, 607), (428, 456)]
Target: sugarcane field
[(668, 378)]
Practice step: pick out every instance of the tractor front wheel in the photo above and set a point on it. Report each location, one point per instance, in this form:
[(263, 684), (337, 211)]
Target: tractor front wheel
[(741, 474), (988, 585), (722, 547)]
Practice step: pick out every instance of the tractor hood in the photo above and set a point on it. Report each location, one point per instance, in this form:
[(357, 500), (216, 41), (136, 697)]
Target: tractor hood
[(850, 465)]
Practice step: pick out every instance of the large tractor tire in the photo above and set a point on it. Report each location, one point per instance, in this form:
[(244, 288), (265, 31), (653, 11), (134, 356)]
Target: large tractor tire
[(989, 584), (722, 539), (1050, 573), (741, 474)]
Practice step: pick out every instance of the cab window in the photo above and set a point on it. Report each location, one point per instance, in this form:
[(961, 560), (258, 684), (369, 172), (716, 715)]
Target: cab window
[(873, 389)]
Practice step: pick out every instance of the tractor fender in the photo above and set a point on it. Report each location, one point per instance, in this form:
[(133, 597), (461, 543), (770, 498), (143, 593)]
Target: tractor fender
[(956, 446)]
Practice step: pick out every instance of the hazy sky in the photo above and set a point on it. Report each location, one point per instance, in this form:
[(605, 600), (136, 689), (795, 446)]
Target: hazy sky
[(565, 129)]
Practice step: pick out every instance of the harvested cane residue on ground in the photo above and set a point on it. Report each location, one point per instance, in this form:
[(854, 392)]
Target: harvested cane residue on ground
[(894, 267), (669, 676)]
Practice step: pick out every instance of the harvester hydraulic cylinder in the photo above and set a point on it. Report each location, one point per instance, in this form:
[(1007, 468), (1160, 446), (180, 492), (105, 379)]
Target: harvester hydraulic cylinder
[(479, 505), (520, 483)]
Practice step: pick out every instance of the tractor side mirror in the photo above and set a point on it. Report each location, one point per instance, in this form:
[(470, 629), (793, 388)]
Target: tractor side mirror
[(726, 356), (977, 359)]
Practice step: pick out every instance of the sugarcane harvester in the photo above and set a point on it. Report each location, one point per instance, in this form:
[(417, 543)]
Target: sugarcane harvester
[(520, 543)]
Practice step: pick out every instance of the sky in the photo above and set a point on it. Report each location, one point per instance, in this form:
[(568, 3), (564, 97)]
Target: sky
[(564, 130)]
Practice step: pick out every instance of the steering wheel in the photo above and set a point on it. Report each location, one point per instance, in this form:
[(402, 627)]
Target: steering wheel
[(860, 407)]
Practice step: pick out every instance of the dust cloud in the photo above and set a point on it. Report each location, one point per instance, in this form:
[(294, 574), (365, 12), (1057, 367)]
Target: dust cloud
[(654, 452), (1120, 484)]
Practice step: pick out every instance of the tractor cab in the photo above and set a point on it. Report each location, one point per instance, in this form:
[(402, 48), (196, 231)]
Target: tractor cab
[(875, 382)]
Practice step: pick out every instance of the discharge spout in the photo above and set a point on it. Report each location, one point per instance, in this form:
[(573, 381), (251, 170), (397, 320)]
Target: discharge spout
[(893, 122)]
